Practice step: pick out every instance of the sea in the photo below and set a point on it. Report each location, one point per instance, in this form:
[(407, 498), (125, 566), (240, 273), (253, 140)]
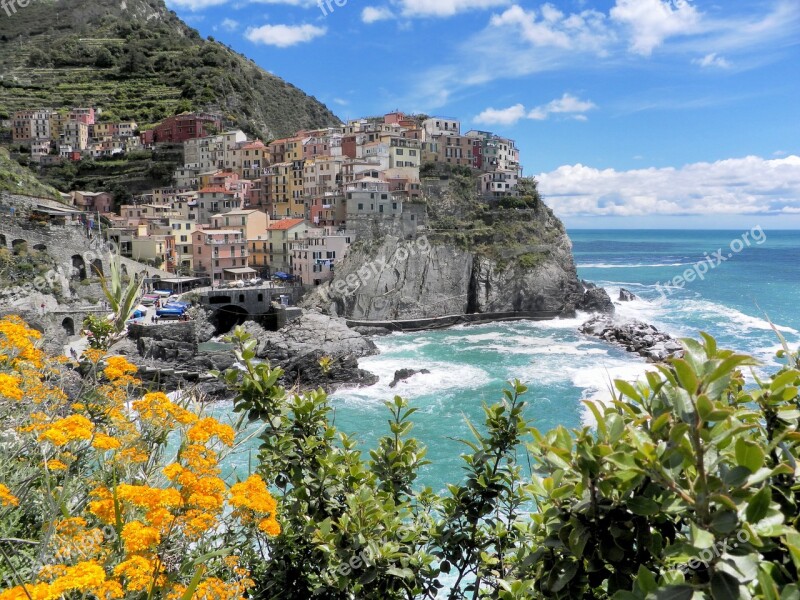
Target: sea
[(734, 284)]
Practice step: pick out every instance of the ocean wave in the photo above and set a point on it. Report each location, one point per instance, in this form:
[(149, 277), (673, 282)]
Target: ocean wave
[(628, 266)]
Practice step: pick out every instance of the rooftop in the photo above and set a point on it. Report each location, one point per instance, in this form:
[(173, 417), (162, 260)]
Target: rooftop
[(285, 224)]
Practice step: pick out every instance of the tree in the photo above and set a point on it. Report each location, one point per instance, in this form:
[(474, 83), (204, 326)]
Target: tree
[(104, 59)]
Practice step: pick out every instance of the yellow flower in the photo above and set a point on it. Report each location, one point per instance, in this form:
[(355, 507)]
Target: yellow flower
[(270, 527), (56, 465), (9, 387), (69, 429), (103, 507), (7, 498), (118, 369), (138, 571), (139, 537), (87, 577), (172, 471), (149, 498), (105, 442), (156, 407), (17, 342), (207, 428), (93, 355), (252, 494)]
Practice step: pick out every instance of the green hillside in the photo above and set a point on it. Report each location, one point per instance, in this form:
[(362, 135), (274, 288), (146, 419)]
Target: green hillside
[(20, 180), (138, 60)]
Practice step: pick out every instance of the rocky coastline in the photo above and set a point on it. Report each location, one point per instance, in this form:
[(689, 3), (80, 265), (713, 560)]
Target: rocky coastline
[(634, 336)]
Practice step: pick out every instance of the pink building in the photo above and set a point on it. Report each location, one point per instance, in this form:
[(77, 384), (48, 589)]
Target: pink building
[(220, 254), (315, 256)]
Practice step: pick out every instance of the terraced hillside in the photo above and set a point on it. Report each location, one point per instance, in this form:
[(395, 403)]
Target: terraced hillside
[(139, 61)]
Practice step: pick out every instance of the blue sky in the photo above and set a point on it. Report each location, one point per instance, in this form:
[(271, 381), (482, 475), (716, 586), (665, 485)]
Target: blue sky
[(630, 112)]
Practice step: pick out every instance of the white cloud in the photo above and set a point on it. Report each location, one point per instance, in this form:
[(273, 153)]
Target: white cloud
[(712, 60), (229, 25), (502, 116), (196, 5), (567, 104), (739, 186), (445, 8), (373, 14), (652, 21), (284, 36), (549, 27)]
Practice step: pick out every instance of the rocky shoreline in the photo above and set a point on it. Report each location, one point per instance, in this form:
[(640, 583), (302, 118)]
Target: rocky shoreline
[(634, 336), (314, 351)]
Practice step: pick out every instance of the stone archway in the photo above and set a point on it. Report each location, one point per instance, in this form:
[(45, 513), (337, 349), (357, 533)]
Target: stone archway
[(227, 317), (69, 326), (97, 267), (40, 248), (78, 267), (3, 241)]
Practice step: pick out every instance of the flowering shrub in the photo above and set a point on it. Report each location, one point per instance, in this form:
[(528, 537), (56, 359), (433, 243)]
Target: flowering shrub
[(117, 494)]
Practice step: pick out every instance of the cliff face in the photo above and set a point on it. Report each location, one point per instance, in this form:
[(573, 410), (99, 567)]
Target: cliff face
[(474, 259)]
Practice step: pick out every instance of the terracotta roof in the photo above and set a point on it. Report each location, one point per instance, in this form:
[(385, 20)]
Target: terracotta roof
[(284, 224)]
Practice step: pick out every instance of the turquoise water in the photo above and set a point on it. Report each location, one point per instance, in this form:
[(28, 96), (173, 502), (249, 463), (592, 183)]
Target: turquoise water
[(470, 365)]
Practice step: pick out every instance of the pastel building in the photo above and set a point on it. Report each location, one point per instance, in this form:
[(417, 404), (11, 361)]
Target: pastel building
[(315, 256), (220, 254)]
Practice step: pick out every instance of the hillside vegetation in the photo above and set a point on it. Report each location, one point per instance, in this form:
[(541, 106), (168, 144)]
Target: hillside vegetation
[(17, 179), (139, 61)]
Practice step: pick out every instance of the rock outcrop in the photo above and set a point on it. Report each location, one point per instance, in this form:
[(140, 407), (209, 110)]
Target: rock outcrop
[(635, 336), (626, 296), (404, 374), (500, 261), (315, 350)]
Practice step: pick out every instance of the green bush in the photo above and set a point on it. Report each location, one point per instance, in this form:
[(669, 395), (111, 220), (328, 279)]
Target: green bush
[(686, 489)]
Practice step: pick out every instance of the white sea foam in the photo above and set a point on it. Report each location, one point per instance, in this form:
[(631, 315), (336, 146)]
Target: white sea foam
[(627, 266), (596, 381)]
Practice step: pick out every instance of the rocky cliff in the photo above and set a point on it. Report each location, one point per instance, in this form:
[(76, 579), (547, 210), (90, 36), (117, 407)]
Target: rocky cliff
[(510, 255)]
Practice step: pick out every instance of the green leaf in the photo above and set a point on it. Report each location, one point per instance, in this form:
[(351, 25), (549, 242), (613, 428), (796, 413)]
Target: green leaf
[(198, 575), (627, 389), (673, 592), (639, 505), (758, 505), (646, 580), (724, 586), (686, 375), (701, 538), (749, 455)]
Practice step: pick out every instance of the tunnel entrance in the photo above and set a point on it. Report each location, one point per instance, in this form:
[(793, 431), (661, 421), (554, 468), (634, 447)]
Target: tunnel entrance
[(78, 267), (227, 317), (69, 326)]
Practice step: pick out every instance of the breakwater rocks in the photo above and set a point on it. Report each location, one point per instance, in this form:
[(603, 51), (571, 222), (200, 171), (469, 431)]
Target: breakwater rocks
[(635, 336)]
